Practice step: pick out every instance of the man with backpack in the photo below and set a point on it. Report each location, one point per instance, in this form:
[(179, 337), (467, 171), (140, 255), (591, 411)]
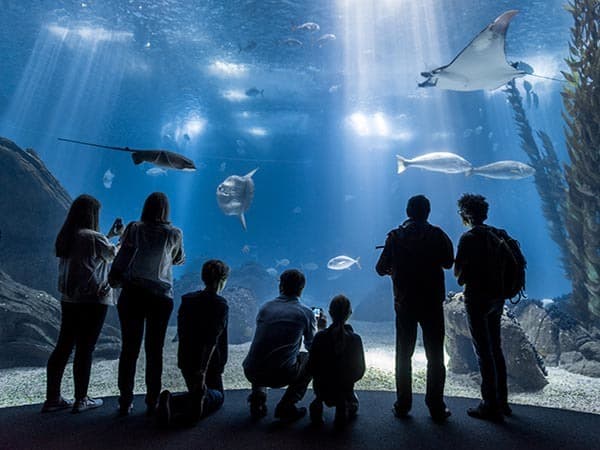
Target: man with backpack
[(491, 267), (415, 255)]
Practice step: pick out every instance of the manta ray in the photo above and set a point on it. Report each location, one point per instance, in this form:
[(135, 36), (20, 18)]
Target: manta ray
[(158, 157), (235, 194), (481, 64)]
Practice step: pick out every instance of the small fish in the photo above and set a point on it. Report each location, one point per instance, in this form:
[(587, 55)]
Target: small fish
[(436, 162), (324, 39), (246, 249), (272, 272), (291, 42), (504, 170), (253, 92), (310, 267), (107, 179), (297, 210), (282, 262), (251, 45), (307, 26), (156, 172), (342, 262)]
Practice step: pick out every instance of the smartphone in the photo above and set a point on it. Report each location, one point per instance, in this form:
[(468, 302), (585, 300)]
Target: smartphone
[(317, 311)]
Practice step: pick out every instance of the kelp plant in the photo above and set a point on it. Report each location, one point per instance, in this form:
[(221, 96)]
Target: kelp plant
[(581, 99), (549, 178)]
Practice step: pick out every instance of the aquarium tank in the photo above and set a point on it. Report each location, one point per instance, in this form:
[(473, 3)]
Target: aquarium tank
[(321, 119)]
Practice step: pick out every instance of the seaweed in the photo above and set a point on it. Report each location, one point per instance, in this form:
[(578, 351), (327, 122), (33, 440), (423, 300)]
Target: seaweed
[(581, 100)]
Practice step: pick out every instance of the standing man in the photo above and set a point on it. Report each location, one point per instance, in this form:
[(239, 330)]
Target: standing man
[(478, 269), (274, 359), (415, 255)]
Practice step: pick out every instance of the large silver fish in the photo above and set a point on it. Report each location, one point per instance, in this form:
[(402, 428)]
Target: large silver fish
[(504, 170), (160, 158), (235, 194), (444, 162), (481, 64), (342, 262)]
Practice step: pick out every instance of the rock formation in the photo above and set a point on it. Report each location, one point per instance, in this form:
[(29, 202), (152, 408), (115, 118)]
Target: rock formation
[(33, 206), (561, 339), (29, 326), (524, 366)]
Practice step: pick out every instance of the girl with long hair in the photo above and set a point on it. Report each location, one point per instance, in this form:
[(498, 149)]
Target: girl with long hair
[(84, 255)]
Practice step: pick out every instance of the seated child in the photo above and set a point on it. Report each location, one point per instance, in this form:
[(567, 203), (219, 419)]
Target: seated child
[(336, 362), (202, 352)]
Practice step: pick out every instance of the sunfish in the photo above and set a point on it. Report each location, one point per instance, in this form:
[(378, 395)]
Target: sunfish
[(504, 170), (481, 64), (160, 158), (436, 162), (235, 194), (107, 179), (342, 262)]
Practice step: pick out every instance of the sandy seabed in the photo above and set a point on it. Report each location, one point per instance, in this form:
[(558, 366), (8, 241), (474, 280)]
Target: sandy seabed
[(19, 386)]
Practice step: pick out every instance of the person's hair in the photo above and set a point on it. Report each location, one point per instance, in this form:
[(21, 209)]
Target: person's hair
[(213, 271), (156, 208), (84, 213), (418, 207), (291, 282), (340, 310), (473, 208)]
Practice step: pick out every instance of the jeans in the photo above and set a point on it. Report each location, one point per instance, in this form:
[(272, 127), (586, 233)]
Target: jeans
[(80, 327), (187, 408), (139, 309), (431, 319), (484, 322), (296, 380)]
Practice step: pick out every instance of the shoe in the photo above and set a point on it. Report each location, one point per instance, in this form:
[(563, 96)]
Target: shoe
[(258, 406), (484, 413), (441, 415), (163, 411), (506, 410), (316, 412), (289, 413), (56, 405), (85, 404), (399, 412), (125, 410)]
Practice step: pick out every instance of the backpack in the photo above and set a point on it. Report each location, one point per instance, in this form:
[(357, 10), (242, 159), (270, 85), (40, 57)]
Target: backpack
[(507, 256)]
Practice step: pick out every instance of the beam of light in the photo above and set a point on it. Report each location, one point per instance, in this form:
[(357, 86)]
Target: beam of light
[(378, 125), (234, 95), (91, 34), (185, 129), (227, 69)]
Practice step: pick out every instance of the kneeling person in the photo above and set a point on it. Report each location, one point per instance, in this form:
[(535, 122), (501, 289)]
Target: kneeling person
[(202, 352), (336, 362), (274, 359)]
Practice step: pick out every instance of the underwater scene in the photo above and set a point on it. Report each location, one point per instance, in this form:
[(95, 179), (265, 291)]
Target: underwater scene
[(291, 134)]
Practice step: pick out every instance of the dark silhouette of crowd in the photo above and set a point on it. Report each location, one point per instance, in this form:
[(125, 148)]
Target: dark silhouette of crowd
[(292, 344)]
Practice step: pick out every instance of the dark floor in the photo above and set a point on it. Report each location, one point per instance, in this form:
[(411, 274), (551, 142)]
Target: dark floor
[(231, 428)]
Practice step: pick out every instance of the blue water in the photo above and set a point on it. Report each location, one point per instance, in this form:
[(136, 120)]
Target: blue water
[(163, 74)]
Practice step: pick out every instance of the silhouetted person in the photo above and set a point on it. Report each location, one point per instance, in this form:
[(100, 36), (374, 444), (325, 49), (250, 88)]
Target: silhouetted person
[(202, 353), (477, 271), (336, 361), (415, 255), (84, 255), (146, 300), (274, 359)]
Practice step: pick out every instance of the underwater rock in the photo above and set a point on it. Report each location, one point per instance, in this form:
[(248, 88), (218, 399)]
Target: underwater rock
[(254, 276), (525, 368), (33, 206), (29, 326), (560, 338), (377, 305)]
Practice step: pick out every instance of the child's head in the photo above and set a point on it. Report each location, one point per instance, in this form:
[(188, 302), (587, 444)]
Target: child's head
[(215, 273), (340, 309)]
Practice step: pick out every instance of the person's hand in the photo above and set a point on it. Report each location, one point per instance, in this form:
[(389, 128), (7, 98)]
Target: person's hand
[(116, 229)]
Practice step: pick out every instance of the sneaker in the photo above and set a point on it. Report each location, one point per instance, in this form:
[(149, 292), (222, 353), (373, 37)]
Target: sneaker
[(484, 413), (86, 403), (441, 415), (316, 412), (258, 406), (56, 405), (289, 413), (163, 411)]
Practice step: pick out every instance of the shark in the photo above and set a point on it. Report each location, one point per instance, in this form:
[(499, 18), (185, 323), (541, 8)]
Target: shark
[(235, 194), (157, 157), (482, 64)]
